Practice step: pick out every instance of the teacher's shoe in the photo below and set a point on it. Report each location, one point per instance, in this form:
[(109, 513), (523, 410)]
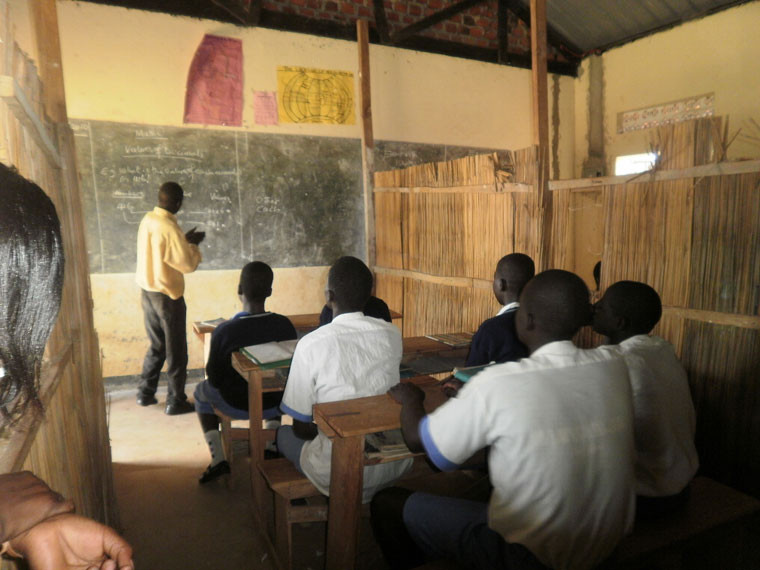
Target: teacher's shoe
[(215, 471), (177, 408), (144, 400)]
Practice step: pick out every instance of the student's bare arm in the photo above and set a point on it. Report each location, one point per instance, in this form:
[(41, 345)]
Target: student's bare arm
[(411, 399), (26, 501), (305, 430)]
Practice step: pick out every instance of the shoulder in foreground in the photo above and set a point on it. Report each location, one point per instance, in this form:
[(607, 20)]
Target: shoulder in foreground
[(561, 355), (643, 342)]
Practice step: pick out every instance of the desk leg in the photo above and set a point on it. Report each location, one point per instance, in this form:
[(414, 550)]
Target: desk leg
[(256, 447), (344, 514), (206, 352)]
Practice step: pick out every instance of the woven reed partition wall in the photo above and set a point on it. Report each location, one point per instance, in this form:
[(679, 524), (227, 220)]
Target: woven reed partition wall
[(693, 233), (441, 228), (69, 448), (691, 230)]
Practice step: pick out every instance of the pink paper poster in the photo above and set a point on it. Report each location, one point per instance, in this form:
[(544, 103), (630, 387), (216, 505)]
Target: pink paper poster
[(265, 107), (214, 94)]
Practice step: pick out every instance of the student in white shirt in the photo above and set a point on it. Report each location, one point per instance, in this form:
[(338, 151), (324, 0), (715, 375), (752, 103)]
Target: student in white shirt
[(664, 418), (560, 429), (353, 356)]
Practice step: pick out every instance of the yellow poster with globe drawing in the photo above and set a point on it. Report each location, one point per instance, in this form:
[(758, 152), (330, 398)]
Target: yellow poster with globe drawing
[(315, 96)]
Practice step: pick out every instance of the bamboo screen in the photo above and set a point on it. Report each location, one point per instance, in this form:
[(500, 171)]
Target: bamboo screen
[(694, 238), (68, 447), (441, 228), (697, 242)]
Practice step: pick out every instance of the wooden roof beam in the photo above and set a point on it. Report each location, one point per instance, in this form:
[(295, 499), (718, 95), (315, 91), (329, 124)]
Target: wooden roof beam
[(433, 19), (381, 21), (555, 38)]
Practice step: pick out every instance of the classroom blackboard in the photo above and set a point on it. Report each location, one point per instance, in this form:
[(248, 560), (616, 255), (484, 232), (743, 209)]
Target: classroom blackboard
[(288, 200)]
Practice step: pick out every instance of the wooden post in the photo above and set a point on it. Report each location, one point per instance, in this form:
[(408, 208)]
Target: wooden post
[(44, 17), (541, 130), (368, 140)]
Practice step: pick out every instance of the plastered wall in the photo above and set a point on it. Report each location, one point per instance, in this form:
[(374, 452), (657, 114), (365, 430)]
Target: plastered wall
[(718, 54), (131, 66)]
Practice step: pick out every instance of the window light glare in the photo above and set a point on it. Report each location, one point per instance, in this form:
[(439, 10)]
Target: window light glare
[(634, 163)]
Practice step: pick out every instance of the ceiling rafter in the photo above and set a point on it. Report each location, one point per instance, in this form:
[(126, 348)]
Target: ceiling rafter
[(555, 38), (429, 21), (381, 21), (211, 9)]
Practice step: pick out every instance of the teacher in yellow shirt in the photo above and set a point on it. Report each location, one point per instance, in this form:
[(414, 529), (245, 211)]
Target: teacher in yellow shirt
[(164, 254)]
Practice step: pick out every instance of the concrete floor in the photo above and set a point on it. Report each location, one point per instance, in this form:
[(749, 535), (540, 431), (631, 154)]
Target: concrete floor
[(172, 522)]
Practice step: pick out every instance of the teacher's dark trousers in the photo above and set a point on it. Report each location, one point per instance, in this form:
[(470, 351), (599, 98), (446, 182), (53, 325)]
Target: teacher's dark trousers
[(165, 325)]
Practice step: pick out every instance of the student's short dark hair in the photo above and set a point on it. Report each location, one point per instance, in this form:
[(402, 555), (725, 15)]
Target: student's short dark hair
[(351, 281), (171, 191), (517, 269), (256, 281), (637, 302), (559, 301), (31, 279)]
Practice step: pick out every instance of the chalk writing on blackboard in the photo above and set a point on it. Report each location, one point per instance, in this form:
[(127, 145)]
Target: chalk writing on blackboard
[(288, 200)]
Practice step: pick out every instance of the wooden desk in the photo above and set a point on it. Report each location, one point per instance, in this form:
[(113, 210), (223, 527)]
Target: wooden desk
[(432, 356), (303, 324), (259, 381), (203, 332), (346, 423), (308, 322)]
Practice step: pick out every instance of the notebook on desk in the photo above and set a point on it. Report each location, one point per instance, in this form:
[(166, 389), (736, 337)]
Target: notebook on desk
[(213, 322), (271, 354), (385, 444), (465, 374), (455, 340)]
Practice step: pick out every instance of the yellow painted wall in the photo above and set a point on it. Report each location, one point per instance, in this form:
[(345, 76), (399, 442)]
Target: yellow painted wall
[(718, 54), (131, 66)]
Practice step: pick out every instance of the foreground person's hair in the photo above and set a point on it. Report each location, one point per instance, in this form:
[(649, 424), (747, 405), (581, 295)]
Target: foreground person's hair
[(31, 279)]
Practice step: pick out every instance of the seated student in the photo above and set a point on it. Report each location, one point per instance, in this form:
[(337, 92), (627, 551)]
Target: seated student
[(374, 307), (352, 357), (225, 389), (597, 273), (496, 339), (664, 418), (560, 429)]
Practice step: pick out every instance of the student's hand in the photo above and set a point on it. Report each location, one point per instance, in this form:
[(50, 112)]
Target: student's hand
[(25, 501), (68, 542), (195, 237), (405, 393), (451, 386)]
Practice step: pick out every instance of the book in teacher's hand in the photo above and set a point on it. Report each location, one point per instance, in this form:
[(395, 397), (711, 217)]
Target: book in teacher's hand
[(271, 354)]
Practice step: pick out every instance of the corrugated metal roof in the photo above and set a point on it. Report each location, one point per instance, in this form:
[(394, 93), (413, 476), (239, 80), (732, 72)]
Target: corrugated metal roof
[(600, 24)]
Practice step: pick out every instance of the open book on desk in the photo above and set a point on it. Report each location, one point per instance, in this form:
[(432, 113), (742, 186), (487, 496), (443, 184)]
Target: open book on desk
[(271, 354), (212, 322)]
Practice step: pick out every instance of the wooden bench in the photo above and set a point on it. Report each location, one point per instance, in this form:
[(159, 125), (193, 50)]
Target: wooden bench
[(706, 533), (288, 484), (230, 434)]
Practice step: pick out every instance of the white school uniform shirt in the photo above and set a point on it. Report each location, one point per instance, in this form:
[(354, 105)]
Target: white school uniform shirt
[(664, 418), (354, 356), (508, 307), (560, 427)]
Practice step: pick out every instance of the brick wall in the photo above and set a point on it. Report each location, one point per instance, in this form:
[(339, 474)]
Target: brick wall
[(476, 26)]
